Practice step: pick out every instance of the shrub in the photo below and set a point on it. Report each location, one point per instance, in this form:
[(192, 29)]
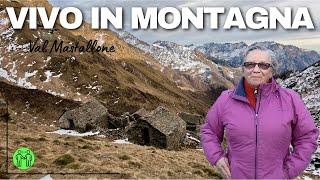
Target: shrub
[(64, 160), (124, 157)]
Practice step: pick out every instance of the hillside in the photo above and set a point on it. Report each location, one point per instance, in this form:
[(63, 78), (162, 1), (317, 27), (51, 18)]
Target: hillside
[(192, 70), (39, 87), (307, 84), (122, 84)]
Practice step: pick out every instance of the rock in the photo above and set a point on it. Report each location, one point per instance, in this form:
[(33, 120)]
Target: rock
[(160, 128), (138, 114), (194, 119), (194, 122), (4, 114), (89, 116), (118, 122), (191, 141)]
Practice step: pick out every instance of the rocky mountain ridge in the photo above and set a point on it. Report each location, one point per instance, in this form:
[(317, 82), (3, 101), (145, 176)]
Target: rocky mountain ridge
[(193, 71), (289, 57)]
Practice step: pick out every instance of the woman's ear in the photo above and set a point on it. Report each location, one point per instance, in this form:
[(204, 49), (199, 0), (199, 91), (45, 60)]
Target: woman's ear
[(273, 71)]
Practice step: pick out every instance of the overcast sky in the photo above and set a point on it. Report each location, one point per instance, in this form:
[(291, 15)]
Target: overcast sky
[(308, 39)]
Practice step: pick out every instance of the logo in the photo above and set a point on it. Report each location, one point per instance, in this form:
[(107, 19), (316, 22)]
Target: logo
[(23, 158)]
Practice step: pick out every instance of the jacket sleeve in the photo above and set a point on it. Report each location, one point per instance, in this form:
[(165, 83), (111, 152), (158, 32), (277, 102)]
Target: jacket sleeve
[(304, 139), (212, 133)]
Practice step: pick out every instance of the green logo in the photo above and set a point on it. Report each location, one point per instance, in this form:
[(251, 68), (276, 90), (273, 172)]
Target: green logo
[(23, 158)]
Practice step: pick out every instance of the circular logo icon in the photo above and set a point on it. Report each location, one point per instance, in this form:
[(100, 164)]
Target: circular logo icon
[(23, 158)]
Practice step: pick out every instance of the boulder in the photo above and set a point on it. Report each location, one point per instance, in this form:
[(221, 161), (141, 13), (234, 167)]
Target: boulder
[(138, 114), (192, 119), (90, 116), (194, 122), (118, 122)]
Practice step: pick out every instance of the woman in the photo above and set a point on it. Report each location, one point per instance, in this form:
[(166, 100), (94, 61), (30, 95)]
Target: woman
[(260, 119)]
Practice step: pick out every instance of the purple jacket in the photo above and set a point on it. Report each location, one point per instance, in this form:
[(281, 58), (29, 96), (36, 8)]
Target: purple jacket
[(259, 139)]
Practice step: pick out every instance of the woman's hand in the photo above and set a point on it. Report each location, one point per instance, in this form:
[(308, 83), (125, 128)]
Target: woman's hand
[(224, 168)]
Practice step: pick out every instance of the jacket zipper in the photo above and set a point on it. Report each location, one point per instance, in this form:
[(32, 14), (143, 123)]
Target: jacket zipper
[(256, 111)]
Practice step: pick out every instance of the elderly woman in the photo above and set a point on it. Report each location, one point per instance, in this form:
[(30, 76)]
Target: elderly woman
[(260, 119)]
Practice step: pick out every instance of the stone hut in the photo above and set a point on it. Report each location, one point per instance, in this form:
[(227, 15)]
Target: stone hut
[(160, 128)]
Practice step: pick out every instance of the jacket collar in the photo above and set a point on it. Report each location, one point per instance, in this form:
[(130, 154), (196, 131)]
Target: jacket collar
[(265, 89)]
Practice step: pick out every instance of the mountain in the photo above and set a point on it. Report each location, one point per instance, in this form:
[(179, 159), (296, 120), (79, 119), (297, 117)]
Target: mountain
[(289, 58), (123, 81), (192, 70), (39, 86), (224, 53), (307, 84)]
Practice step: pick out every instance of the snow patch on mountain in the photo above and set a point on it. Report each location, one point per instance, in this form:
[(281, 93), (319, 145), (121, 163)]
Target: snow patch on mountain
[(307, 84), (172, 55), (49, 75), (12, 76)]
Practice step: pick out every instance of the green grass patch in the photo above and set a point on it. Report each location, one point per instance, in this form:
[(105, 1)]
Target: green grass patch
[(64, 160)]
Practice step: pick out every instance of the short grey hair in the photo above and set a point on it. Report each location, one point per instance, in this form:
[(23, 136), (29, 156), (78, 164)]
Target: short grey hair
[(273, 59)]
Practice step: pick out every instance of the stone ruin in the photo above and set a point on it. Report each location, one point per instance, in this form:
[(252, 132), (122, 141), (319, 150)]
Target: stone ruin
[(92, 116), (160, 128)]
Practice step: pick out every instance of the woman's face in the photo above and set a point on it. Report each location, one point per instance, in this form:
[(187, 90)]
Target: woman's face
[(254, 74)]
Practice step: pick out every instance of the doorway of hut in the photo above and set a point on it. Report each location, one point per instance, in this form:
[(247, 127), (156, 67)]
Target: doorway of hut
[(146, 136)]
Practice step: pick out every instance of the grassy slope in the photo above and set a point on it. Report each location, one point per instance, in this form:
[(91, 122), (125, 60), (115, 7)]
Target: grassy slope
[(99, 155)]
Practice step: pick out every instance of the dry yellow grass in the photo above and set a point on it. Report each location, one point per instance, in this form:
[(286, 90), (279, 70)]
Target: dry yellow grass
[(67, 154)]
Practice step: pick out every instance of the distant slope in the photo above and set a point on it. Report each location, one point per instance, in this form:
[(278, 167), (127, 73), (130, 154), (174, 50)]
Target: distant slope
[(192, 69)]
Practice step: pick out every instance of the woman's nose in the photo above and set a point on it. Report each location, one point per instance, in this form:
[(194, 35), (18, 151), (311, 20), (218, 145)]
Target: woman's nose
[(256, 68)]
